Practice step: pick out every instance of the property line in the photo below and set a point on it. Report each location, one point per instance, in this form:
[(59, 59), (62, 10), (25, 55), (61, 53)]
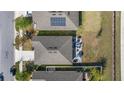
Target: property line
[(113, 45)]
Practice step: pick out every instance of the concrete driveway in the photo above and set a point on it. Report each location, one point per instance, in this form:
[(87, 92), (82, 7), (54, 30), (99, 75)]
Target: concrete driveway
[(6, 43)]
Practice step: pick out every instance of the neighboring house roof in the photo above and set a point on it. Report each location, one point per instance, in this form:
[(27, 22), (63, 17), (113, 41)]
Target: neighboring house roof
[(56, 20), (53, 49), (57, 76)]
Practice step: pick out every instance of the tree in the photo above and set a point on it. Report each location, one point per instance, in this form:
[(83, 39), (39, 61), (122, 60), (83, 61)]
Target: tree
[(23, 23), (30, 67), (22, 76)]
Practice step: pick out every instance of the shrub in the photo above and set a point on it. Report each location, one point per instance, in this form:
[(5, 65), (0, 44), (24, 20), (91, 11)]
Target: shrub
[(23, 41), (18, 42), (23, 76), (29, 67), (26, 74), (95, 74), (56, 33), (41, 68)]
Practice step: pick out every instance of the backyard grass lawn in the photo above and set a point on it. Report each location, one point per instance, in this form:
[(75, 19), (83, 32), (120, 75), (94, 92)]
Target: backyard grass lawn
[(91, 26), (91, 21), (117, 46), (105, 44), (91, 47), (97, 38)]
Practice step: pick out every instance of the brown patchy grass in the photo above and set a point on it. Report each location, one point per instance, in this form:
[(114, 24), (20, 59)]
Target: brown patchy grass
[(90, 48), (90, 27), (117, 46), (101, 46), (91, 21), (105, 44), (27, 45)]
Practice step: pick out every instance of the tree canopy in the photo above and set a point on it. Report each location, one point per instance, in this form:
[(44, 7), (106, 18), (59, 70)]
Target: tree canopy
[(22, 23)]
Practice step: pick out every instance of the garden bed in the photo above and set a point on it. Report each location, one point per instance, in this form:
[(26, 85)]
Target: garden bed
[(25, 42), (28, 68)]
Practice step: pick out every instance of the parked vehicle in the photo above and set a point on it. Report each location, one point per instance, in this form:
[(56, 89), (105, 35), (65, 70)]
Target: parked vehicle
[(1, 77), (78, 50)]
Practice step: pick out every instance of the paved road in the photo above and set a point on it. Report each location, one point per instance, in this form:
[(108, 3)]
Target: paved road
[(122, 46), (6, 43)]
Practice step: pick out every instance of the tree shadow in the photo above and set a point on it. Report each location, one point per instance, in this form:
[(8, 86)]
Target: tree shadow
[(100, 62), (99, 33)]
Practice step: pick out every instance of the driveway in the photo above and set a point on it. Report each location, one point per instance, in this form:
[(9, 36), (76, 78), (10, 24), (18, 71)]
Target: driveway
[(6, 44)]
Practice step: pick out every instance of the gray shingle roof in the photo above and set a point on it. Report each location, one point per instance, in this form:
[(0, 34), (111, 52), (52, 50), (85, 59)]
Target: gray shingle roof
[(42, 19), (57, 76), (53, 49)]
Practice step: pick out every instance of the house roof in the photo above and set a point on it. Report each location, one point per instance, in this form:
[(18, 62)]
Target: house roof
[(53, 49), (45, 19), (57, 76)]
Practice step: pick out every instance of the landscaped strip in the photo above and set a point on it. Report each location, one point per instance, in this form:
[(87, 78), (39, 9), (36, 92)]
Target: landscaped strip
[(57, 33)]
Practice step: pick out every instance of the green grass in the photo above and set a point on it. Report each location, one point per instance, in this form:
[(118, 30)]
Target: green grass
[(117, 46), (57, 33)]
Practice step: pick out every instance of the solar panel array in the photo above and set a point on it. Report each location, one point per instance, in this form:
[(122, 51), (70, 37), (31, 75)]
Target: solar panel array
[(58, 21)]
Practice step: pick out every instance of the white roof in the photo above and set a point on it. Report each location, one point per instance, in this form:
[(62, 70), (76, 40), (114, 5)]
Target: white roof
[(20, 13), (24, 55)]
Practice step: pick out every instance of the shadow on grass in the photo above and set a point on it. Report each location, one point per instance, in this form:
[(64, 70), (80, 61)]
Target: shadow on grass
[(99, 33), (100, 62)]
